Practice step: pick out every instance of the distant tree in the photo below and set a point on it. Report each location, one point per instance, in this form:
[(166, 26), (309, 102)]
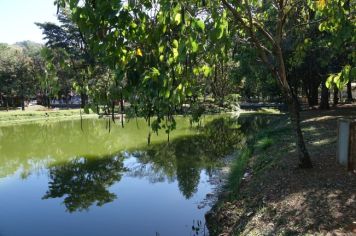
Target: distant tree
[(66, 39), (16, 79)]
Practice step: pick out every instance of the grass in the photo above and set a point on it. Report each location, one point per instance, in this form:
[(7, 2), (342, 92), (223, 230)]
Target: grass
[(255, 149), (14, 117), (265, 111), (264, 143), (238, 170)]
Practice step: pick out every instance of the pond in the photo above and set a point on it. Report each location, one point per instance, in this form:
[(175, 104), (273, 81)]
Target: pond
[(84, 178)]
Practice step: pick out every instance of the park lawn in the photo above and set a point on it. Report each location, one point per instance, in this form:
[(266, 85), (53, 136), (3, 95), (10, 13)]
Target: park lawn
[(266, 194), (14, 117)]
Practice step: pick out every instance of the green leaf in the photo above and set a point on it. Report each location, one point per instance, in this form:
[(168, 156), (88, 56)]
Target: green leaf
[(194, 46), (175, 43), (178, 18), (180, 87), (175, 53), (221, 31), (330, 81), (206, 70), (133, 25), (201, 24)]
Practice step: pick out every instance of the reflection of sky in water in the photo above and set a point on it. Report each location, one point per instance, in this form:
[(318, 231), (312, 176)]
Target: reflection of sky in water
[(141, 208)]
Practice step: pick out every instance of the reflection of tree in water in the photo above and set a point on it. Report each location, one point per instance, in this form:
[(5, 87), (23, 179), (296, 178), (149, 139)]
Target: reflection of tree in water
[(222, 136), (84, 182), (188, 177), (185, 157)]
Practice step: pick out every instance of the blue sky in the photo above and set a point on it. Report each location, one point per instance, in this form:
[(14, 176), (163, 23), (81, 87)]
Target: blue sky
[(17, 19)]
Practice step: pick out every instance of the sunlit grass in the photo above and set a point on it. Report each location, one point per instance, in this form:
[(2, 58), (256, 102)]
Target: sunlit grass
[(237, 170), (264, 143), (14, 117)]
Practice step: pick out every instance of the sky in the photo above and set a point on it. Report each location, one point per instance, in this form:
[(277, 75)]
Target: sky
[(17, 18)]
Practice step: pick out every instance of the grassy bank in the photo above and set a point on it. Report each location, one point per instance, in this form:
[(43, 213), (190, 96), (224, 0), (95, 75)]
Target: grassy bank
[(267, 195), (14, 117), (241, 167)]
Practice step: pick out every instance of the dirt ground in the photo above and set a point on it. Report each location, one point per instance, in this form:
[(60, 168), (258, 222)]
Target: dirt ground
[(285, 200)]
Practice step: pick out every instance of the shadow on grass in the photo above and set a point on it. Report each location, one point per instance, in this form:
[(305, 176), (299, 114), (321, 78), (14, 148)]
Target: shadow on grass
[(283, 200)]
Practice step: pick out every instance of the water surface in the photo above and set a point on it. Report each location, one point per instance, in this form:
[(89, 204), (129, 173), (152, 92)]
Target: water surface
[(68, 178)]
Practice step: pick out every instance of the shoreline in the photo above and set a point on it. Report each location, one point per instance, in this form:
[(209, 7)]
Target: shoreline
[(18, 117), (266, 194)]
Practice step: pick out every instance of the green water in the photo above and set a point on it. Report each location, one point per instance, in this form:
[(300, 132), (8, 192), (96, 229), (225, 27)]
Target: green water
[(61, 141), (73, 178)]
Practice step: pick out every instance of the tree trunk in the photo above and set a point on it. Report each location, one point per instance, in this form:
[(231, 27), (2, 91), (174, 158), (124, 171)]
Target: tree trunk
[(113, 111), (293, 107), (303, 155), (48, 102), (324, 99), (313, 95), (122, 110), (22, 102), (336, 96), (349, 92), (7, 104), (67, 101), (83, 98), (22, 97)]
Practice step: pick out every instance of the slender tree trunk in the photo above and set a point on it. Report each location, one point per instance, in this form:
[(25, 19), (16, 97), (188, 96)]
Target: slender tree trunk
[(22, 102), (7, 104), (312, 95), (122, 110), (83, 98), (349, 92), (324, 99), (22, 97), (48, 102), (336, 96), (113, 111), (67, 102), (293, 108), (303, 155)]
